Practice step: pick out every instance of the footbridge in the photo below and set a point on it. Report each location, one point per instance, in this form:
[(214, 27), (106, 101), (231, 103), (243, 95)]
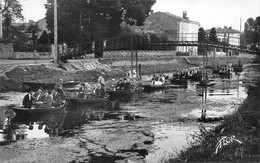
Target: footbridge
[(135, 43)]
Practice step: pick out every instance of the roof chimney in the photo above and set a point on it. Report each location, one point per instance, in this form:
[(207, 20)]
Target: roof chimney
[(184, 15)]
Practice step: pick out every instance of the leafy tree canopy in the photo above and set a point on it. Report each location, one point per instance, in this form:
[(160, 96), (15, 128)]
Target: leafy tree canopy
[(201, 34), (252, 30), (12, 10), (95, 19), (213, 35), (44, 39)]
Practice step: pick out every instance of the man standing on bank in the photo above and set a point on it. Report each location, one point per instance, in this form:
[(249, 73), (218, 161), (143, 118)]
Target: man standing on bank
[(102, 82)]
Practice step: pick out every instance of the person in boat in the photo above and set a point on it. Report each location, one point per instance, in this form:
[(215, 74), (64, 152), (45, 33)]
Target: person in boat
[(48, 100), (37, 95), (28, 100), (57, 99), (98, 90), (162, 78), (126, 84), (59, 87), (119, 84), (102, 82), (239, 62), (82, 91)]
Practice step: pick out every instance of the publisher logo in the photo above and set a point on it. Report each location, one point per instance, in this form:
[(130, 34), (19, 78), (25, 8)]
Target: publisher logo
[(226, 140)]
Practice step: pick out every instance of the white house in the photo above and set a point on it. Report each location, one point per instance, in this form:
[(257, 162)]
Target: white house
[(176, 28)]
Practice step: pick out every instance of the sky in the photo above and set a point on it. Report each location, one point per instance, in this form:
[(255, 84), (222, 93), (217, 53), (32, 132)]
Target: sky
[(209, 13)]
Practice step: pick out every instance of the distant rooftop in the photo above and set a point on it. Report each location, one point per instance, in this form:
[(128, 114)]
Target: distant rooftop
[(224, 30)]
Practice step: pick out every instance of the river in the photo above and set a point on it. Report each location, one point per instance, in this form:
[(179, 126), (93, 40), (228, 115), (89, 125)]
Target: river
[(170, 114)]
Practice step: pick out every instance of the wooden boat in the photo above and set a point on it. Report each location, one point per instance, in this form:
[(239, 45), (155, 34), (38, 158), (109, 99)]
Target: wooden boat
[(224, 74), (121, 92), (148, 87), (37, 112), (237, 68), (49, 85), (179, 81), (90, 99)]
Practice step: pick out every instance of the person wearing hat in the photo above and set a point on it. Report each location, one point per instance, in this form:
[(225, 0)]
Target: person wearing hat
[(38, 93), (82, 90), (102, 82), (59, 88), (28, 100)]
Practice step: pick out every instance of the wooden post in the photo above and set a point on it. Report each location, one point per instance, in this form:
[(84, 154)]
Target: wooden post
[(56, 55), (132, 57), (1, 20)]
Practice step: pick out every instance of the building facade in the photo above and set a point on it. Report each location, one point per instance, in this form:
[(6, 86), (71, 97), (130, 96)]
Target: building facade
[(227, 35), (174, 27)]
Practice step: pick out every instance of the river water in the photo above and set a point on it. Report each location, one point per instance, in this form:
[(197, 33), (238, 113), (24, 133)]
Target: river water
[(172, 113)]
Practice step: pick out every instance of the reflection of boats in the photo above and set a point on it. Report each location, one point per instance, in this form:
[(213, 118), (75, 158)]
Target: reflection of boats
[(49, 85), (91, 99), (37, 112)]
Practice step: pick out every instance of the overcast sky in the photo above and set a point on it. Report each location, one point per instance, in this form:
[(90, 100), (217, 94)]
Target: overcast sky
[(209, 13)]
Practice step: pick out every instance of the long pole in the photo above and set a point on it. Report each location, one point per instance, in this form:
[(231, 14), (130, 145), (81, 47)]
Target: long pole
[(1, 21), (56, 55)]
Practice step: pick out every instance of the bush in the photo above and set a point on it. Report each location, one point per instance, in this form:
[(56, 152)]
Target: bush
[(43, 48)]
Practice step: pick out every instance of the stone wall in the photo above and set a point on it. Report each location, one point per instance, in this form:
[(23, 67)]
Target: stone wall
[(6, 52), (140, 54)]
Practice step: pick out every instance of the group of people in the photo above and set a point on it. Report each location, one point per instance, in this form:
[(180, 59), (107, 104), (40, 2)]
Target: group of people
[(123, 84), (99, 88), (185, 73), (45, 98), (224, 68), (158, 79)]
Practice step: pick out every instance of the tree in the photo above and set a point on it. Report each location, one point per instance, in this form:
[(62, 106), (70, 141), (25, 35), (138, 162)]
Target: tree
[(201, 34), (86, 20), (249, 31), (12, 10), (33, 28), (257, 29), (213, 35), (44, 39)]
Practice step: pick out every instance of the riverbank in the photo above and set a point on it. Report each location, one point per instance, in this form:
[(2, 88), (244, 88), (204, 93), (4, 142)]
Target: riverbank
[(236, 139)]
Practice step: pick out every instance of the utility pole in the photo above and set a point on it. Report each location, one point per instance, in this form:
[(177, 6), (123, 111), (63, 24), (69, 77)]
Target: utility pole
[(1, 20), (56, 54)]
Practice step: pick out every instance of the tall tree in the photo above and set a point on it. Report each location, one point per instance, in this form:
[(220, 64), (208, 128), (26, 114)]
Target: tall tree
[(95, 19), (12, 10), (201, 34), (257, 29), (249, 31), (44, 39), (213, 35)]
